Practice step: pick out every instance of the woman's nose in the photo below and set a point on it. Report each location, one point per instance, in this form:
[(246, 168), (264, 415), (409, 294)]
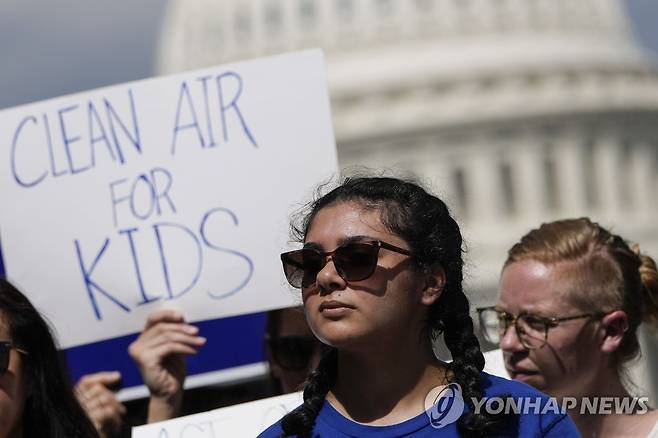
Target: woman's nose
[(328, 279)]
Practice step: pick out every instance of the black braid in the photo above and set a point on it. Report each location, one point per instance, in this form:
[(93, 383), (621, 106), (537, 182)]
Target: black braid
[(300, 421), (467, 363), (450, 315)]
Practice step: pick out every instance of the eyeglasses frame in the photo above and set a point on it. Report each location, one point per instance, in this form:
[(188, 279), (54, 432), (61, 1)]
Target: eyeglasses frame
[(11, 346), (549, 322)]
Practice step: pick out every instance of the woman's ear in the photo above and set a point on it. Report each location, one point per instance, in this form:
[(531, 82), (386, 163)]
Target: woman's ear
[(614, 326), (435, 281)]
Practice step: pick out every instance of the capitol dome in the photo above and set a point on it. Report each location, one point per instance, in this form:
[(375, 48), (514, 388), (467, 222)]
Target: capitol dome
[(517, 111)]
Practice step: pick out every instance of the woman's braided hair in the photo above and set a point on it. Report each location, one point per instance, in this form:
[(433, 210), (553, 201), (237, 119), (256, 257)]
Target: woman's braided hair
[(424, 222)]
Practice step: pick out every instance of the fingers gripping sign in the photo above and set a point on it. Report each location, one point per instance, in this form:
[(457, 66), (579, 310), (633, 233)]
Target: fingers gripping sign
[(159, 353), (99, 401)]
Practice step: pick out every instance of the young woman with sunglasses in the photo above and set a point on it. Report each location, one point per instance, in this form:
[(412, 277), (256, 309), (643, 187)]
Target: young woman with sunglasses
[(572, 296), (36, 399), (381, 277)]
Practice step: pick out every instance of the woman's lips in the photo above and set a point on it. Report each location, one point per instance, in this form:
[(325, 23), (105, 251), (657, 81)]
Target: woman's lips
[(335, 309)]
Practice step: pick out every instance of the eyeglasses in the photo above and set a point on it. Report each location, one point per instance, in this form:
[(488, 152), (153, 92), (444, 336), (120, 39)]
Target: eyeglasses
[(294, 353), (5, 349), (532, 330), (353, 261)]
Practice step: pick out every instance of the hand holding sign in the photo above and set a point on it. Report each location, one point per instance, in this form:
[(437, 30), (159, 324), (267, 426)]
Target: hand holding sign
[(100, 403), (159, 353)]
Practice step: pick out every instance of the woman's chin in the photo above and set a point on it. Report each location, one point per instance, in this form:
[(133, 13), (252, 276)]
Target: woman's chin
[(339, 337)]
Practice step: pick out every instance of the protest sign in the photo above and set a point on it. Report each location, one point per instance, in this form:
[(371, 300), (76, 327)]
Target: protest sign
[(167, 192), (494, 363), (243, 420)]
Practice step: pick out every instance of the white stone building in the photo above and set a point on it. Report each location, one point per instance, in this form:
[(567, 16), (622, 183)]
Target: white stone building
[(516, 111)]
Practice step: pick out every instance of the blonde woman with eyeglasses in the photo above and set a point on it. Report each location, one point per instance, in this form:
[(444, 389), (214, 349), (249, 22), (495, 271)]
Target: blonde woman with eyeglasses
[(572, 296)]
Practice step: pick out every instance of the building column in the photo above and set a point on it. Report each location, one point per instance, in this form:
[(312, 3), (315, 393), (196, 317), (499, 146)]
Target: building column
[(529, 180), (641, 184), (431, 163), (486, 198), (606, 164), (568, 157)]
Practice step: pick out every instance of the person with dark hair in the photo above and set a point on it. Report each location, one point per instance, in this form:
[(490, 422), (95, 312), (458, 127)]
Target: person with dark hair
[(36, 398), (381, 277), (291, 348), (572, 296)]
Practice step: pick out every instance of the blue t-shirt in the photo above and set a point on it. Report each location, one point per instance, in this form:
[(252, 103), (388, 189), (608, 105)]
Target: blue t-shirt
[(538, 416)]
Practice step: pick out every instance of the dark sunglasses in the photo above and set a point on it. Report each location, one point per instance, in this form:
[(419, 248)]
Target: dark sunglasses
[(353, 261), (294, 353), (5, 350)]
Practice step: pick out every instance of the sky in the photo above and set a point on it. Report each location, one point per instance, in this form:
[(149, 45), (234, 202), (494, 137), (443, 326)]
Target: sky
[(54, 48)]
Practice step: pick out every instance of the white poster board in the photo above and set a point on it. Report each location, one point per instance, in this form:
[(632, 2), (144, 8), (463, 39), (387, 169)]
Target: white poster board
[(494, 363), (167, 192), (243, 420)]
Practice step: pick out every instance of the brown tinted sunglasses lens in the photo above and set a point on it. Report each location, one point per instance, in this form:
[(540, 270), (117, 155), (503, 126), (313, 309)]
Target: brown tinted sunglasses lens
[(353, 262), (302, 266), (356, 261)]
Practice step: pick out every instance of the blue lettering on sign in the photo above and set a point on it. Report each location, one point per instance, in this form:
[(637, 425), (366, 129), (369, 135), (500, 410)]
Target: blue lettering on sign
[(194, 123), (150, 193), (71, 152), (232, 104), (69, 140), (14, 170), (229, 88), (201, 427), (113, 119), (155, 185), (138, 273), (97, 133), (136, 246), (204, 83), (163, 258), (75, 138), (244, 257), (91, 285)]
